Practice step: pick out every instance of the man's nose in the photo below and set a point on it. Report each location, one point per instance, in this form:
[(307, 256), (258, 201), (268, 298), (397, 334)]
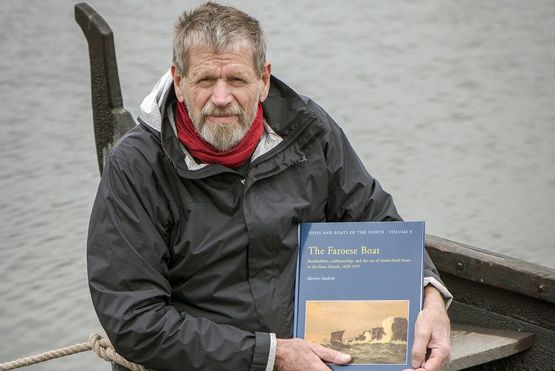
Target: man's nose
[(221, 95)]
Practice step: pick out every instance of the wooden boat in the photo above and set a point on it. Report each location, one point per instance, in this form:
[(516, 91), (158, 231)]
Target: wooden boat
[(336, 339), (503, 312)]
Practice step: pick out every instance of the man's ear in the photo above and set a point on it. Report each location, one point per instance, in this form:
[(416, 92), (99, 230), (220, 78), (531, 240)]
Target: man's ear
[(177, 84), (265, 81)]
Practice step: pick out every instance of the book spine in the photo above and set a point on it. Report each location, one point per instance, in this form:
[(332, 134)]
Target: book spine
[(297, 275)]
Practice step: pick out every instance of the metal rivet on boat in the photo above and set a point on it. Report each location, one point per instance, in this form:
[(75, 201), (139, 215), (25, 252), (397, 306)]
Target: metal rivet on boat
[(460, 266), (541, 288)]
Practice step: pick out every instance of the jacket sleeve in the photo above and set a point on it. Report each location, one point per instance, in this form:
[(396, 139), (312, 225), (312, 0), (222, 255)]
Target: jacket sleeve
[(354, 195), (127, 261)]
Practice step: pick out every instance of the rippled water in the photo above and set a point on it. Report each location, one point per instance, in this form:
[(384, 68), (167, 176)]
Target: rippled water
[(450, 105), (378, 353)]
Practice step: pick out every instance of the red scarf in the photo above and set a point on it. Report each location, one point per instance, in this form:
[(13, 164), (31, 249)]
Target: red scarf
[(205, 152)]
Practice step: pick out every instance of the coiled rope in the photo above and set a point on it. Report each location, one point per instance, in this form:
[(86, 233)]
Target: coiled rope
[(101, 346)]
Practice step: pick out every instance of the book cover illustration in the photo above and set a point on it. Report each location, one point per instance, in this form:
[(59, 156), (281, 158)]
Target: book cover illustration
[(359, 289), (371, 331)]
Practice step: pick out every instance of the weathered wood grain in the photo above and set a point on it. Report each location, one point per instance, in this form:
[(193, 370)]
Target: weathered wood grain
[(496, 270), (473, 345)]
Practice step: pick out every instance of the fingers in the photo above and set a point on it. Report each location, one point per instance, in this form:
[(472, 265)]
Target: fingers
[(437, 342), (300, 355), (421, 339), (438, 357), (431, 332), (330, 355)]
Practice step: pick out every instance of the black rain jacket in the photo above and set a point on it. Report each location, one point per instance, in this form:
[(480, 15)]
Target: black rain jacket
[(193, 269)]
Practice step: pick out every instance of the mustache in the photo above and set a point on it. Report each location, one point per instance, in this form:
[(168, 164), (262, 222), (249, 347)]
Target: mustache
[(230, 110)]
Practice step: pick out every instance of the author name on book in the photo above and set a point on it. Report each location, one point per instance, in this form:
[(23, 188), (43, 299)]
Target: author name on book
[(321, 278)]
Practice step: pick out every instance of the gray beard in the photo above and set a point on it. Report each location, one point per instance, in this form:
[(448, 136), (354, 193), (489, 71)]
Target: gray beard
[(223, 136)]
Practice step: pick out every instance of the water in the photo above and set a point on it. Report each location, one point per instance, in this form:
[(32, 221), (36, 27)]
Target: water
[(378, 353), (450, 105)]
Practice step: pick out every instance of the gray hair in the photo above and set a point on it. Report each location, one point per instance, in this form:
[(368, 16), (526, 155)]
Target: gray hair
[(221, 28)]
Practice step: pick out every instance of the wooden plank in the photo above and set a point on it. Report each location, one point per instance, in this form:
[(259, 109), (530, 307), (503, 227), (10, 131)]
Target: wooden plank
[(541, 355), (487, 300), (472, 346), (492, 269)]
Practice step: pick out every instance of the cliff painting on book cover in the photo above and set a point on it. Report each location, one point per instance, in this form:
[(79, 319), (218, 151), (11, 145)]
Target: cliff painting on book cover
[(371, 331)]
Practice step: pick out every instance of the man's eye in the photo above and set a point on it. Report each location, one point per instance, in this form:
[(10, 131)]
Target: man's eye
[(204, 80), (237, 80)]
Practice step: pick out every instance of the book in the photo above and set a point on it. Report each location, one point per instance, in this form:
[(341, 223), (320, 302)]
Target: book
[(359, 290)]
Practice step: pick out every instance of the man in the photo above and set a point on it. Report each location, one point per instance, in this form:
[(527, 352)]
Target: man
[(192, 239)]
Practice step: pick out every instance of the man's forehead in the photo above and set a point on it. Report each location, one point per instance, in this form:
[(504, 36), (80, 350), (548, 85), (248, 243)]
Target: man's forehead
[(207, 57), (204, 59)]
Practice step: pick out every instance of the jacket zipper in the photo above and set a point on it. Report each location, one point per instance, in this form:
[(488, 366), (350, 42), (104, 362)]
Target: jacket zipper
[(285, 144)]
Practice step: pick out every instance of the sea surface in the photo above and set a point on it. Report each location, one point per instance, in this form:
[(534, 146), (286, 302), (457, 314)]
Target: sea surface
[(377, 353), (450, 104)]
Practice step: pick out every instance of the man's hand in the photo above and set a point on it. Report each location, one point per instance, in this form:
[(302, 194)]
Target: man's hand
[(431, 332), (298, 354)]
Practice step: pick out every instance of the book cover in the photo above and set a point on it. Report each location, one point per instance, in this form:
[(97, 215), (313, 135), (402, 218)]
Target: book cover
[(359, 290)]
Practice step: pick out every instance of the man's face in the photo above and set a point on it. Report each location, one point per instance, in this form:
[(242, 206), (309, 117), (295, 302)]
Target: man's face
[(221, 92)]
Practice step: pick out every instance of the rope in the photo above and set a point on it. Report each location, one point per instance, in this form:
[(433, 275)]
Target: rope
[(104, 349), (101, 346)]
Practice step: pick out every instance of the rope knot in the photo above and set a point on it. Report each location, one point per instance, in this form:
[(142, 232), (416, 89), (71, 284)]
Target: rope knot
[(105, 350)]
